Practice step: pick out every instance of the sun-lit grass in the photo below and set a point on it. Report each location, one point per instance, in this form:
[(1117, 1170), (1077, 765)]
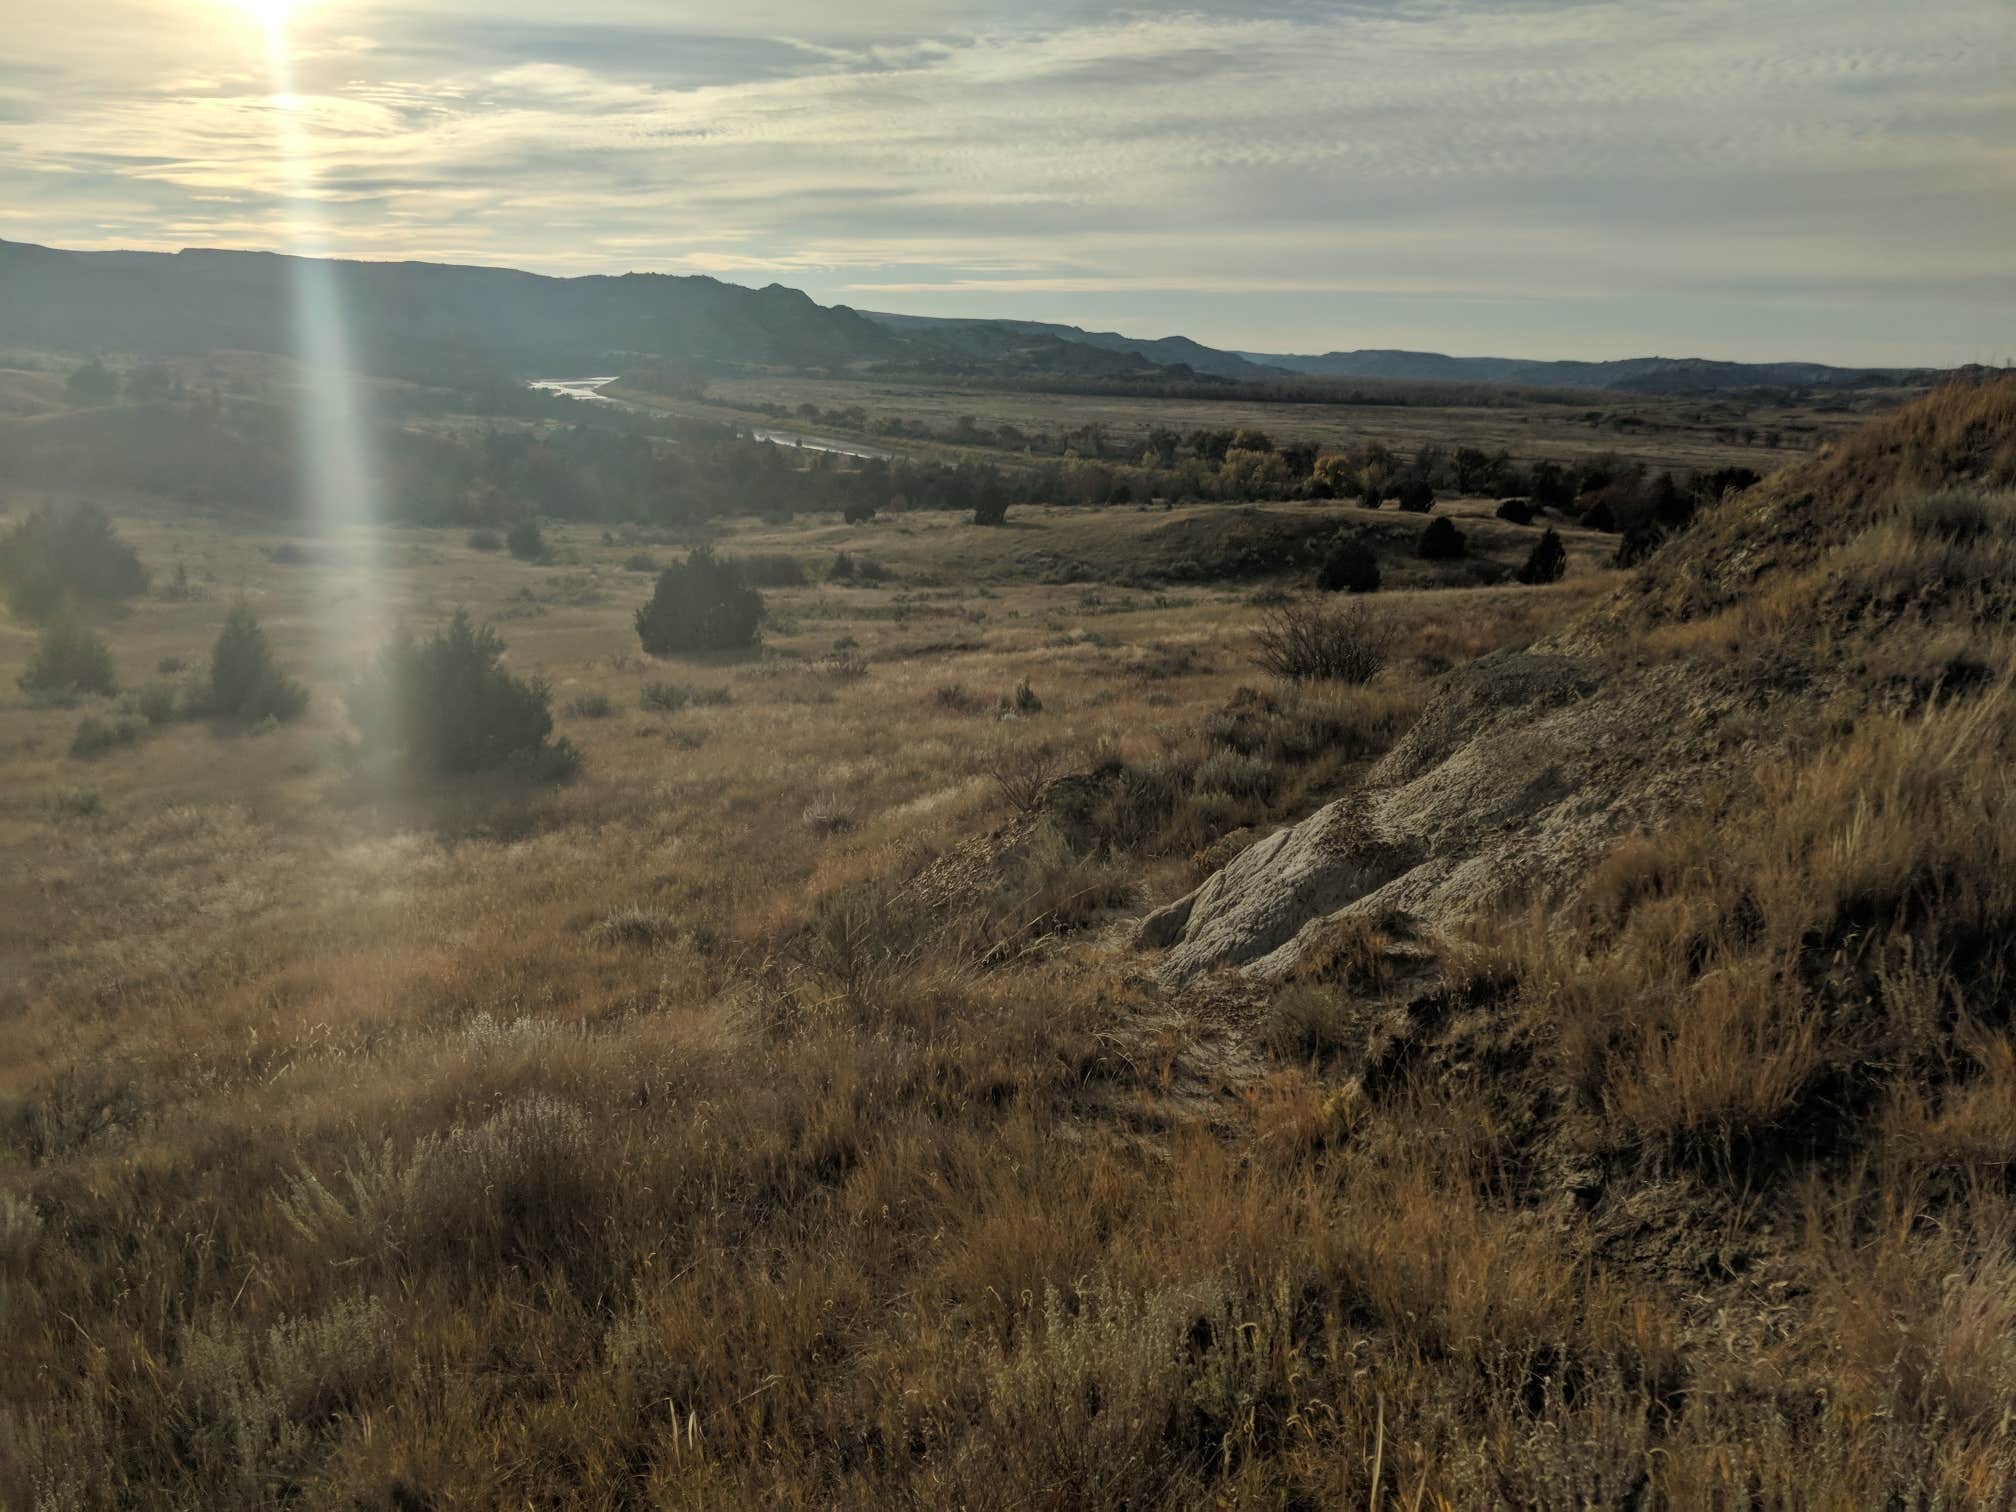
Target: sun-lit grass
[(776, 1115)]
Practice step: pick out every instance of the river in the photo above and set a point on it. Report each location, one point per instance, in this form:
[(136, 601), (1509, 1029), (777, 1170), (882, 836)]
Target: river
[(589, 390)]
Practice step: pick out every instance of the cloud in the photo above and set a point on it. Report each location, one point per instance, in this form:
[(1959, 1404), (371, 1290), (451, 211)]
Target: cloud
[(1759, 155)]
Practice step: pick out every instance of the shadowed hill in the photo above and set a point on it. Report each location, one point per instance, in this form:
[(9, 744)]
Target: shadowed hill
[(418, 318), (432, 319)]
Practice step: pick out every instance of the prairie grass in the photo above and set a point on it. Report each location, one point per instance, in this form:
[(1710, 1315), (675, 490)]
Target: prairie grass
[(645, 1142)]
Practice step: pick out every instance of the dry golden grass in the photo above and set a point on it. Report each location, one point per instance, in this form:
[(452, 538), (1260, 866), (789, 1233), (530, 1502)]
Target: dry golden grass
[(643, 1142)]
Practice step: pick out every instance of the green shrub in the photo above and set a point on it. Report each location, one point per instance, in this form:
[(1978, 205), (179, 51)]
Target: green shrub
[(701, 604), (591, 706), (526, 541), (95, 736), (157, 703), (1546, 561), (1350, 566), (244, 682), (1416, 496), (53, 557), (70, 659), (1441, 541), (1516, 511), (485, 540), (1639, 542), (447, 706)]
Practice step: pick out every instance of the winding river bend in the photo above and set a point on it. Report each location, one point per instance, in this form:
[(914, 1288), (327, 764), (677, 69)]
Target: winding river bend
[(589, 391)]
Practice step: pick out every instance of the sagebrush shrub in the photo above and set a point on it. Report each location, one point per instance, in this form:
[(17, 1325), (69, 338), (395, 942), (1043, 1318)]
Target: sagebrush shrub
[(98, 737), (828, 814), (1237, 773), (700, 604), (671, 697), (157, 703), (1307, 641)]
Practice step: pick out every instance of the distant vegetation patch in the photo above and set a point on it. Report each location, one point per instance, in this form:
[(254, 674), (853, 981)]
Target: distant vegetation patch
[(73, 556)]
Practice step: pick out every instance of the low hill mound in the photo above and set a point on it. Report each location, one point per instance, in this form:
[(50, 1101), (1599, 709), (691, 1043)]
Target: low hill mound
[(1874, 578)]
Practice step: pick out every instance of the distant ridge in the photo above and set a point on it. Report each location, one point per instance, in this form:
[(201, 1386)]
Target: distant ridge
[(1634, 374), (415, 318), (1641, 374)]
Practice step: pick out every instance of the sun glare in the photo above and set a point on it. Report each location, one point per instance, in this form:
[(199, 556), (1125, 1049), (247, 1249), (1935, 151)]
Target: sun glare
[(270, 14)]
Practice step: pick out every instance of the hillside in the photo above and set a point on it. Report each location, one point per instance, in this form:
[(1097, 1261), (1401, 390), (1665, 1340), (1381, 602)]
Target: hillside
[(986, 337), (1725, 1009), (417, 318), (1859, 581), (439, 320), (1646, 375)]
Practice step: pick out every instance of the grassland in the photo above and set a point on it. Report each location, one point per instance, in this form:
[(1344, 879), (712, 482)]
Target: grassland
[(1692, 433), (780, 1115)]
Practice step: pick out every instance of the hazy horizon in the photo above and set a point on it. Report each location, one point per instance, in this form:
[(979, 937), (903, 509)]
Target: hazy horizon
[(1794, 180)]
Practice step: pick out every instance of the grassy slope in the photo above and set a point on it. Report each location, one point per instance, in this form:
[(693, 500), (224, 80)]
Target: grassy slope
[(350, 1158)]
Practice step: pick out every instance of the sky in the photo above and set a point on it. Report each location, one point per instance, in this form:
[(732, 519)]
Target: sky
[(1752, 179)]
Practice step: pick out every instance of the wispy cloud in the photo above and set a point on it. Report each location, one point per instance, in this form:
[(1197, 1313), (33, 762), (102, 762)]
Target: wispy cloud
[(1706, 163)]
